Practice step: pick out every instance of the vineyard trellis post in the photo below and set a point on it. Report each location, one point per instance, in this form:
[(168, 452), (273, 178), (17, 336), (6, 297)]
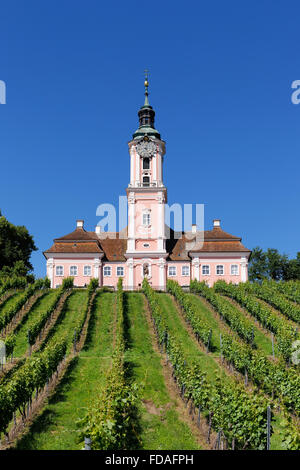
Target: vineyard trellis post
[(199, 415), (74, 341), (28, 339), (209, 426), (209, 340), (268, 427)]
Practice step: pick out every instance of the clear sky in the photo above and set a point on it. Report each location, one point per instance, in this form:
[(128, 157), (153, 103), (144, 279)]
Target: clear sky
[(220, 83)]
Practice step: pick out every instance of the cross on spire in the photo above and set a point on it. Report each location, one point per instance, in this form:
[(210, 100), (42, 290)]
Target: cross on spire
[(146, 83)]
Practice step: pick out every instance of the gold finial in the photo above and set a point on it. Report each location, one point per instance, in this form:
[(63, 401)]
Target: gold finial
[(146, 82)]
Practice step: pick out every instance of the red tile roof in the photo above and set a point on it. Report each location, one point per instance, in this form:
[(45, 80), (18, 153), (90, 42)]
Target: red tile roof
[(114, 247), (78, 235), (81, 247), (215, 240)]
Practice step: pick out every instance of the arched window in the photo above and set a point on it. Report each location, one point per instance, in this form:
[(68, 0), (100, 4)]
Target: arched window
[(146, 164), (146, 181)]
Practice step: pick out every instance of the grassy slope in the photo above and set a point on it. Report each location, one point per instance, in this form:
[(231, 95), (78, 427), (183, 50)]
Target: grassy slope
[(10, 302), (191, 350), (176, 325), (42, 304), (56, 429), (161, 427), (74, 305), (262, 342)]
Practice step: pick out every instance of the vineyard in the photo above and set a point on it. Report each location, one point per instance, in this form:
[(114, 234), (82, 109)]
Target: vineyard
[(212, 368)]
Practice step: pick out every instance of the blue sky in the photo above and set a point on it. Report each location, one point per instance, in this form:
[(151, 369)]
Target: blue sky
[(220, 83)]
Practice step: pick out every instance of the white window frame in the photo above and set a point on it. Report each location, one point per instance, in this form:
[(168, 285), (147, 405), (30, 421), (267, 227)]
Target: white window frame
[(149, 163), (76, 267), (90, 270), (146, 182), (205, 266), (106, 268), (146, 223), (120, 267), (223, 270), (237, 269), (56, 268), (186, 266), (172, 267)]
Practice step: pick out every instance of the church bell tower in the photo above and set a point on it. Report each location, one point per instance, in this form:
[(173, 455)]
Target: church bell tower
[(146, 193)]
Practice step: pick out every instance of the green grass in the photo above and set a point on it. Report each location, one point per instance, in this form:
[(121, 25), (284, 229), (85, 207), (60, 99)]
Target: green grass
[(160, 425), (9, 294), (191, 351), (10, 302), (262, 342), (55, 428), (206, 361), (66, 323), (42, 304)]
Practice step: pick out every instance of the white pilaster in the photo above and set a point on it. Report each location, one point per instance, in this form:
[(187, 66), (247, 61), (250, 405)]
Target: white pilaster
[(137, 166), (159, 168), (244, 269), (132, 166), (154, 164), (196, 269), (50, 271), (130, 274), (97, 265), (162, 273), (131, 222)]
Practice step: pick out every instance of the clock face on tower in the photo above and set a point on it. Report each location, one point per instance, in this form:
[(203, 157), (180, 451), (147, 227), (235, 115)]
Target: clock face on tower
[(146, 149)]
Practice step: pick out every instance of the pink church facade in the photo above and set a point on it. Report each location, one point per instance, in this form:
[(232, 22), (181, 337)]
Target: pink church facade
[(147, 247)]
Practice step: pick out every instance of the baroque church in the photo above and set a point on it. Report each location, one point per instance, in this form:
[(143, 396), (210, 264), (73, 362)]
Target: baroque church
[(147, 247)]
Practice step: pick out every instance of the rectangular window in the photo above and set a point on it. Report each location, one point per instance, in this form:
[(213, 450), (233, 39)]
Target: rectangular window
[(219, 269), (206, 270), (107, 271), (172, 270), (234, 270), (185, 271), (73, 270), (146, 219), (146, 164), (59, 270), (120, 271), (146, 181), (87, 271)]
